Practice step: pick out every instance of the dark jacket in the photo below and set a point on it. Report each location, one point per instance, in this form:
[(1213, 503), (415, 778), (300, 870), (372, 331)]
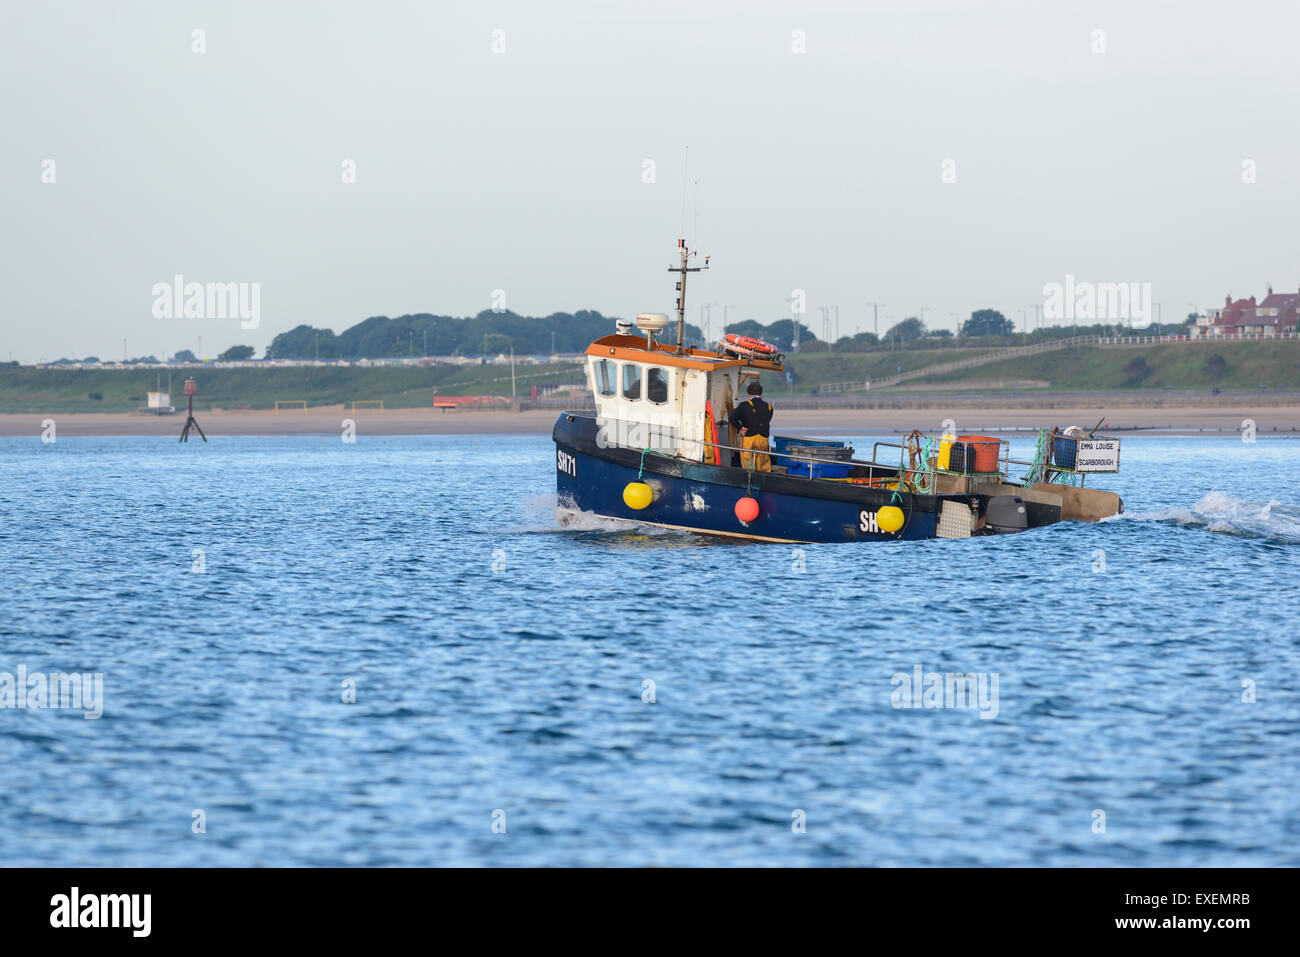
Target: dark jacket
[(753, 414)]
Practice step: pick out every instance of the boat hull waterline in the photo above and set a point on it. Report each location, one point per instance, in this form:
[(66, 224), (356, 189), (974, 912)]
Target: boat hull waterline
[(701, 498)]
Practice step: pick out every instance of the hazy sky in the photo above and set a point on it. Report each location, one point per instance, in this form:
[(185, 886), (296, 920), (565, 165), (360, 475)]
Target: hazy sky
[(522, 170)]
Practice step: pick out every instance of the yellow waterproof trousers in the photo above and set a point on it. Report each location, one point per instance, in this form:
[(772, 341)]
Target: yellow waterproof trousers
[(755, 456)]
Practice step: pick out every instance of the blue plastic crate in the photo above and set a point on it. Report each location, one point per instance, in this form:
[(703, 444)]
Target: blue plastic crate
[(819, 469), (1064, 451), (781, 443)]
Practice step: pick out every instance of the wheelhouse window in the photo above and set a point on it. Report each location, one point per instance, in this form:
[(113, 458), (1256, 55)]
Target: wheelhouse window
[(631, 381), (605, 377), (656, 385)]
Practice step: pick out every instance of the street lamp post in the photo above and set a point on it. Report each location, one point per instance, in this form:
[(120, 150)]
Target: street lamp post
[(706, 319), (794, 311), (875, 319)]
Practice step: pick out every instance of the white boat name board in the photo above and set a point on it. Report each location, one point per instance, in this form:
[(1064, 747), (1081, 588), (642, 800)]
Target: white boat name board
[(1097, 455)]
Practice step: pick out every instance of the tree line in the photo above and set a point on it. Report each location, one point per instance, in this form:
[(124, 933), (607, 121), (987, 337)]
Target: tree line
[(487, 334), (496, 333), (988, 326)]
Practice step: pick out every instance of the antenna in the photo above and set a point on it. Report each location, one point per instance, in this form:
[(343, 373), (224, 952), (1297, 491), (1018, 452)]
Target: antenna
[(695, 213), (686, 162), (686, 254)]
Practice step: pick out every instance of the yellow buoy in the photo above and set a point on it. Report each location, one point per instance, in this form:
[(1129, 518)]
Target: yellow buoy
[(637, 495), (889, 518)]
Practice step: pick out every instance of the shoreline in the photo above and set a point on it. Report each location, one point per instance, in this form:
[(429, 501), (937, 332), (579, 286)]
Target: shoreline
[(328, 420)]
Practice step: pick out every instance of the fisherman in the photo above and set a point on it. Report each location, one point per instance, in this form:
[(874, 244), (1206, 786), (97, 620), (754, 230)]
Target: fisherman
[(753, 418)]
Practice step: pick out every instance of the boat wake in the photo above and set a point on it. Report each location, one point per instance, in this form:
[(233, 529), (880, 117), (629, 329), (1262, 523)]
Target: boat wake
[(1226, 515), (544, 515)]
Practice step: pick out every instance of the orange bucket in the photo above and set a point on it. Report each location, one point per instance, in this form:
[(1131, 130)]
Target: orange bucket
[(986, 449)]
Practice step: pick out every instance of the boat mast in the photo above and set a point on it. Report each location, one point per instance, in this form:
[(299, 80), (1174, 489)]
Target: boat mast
[(683, 269)]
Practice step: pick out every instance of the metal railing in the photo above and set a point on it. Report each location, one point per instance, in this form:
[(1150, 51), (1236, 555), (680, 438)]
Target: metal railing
[(910, 477), (835, 388)]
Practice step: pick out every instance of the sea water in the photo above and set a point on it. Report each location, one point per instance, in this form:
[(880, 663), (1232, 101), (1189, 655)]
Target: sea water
[(389, 652)]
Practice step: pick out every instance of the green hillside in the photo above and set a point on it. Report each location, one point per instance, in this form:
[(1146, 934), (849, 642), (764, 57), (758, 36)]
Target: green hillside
[(121, 390), (813, 370), (1184, 366), (1177, 365), (57, 390)]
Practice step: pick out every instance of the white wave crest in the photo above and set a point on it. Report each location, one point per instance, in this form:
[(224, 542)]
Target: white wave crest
[(546, 514), (1227, 515)]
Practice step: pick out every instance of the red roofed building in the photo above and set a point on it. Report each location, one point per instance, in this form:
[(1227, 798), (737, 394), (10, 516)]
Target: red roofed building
[(1278, 314)]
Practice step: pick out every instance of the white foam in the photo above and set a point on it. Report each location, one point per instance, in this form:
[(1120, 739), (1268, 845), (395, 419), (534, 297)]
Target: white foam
[(544, 513), (1227, 515)]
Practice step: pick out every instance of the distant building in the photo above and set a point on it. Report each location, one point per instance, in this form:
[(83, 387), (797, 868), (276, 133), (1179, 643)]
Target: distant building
[(1277, 315)]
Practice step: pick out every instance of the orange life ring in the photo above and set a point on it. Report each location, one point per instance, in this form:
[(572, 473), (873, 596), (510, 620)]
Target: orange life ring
[(746, 345)]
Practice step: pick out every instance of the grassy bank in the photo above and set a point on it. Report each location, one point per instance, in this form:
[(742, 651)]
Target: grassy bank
[(814, 370), (114, 390), (1181, 366), (1245, 365)]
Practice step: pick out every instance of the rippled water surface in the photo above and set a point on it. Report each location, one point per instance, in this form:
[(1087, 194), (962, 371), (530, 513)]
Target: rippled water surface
[(502, 669)]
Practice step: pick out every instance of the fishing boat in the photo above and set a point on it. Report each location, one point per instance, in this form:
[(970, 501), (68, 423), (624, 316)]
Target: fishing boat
[(660, 449)]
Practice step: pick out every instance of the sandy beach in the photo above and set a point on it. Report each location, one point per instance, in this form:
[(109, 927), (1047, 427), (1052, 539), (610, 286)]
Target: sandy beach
[(329, 420)]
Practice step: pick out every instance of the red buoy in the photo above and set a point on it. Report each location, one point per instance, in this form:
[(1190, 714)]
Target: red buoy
[(747, 509)]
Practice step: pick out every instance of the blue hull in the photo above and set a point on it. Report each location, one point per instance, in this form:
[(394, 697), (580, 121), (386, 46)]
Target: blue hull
[(702, 498)]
